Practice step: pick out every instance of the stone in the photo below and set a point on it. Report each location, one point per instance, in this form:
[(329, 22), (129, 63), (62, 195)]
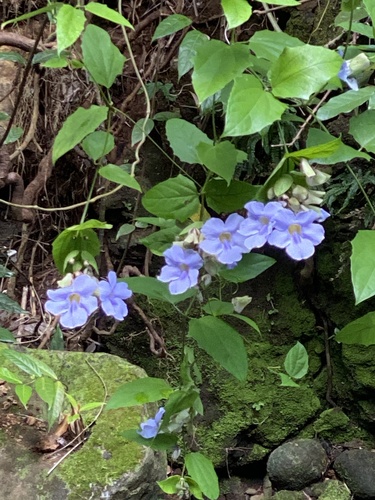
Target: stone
[(289, 495), (106, 466), (357, 469), (297, 464)]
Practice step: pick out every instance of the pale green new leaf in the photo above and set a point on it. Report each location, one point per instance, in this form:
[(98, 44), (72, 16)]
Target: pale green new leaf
[(237, 12), (188, 50), (124, 230), (177, 133), (216, 64), (14, 134), (286, 381), (45, 388), (141, 130), (174, 198), (105, 12), (170, 25), (9, 376), (221, 158), (70, 23), (302, 71), (89, 224), (222, 342), (363, 265), (24, 393), (169, 485), (297, 361), (202, 471), (343, 152), (346, 102), (51, 7), (57, 405), (139, 392), (250, 107), (76, 127), (101, 57), (270, 44), (318, 151), (360, 331), (370, 7), (362, 129), (114, 173), (98, 144)]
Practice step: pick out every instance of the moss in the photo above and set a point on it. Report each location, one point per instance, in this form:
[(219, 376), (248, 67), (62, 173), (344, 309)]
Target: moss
[(289, 495), (331, 490)]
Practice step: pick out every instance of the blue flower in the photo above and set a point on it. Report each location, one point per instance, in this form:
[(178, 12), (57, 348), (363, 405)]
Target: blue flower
[(182, 269), (112, 296), (344, 75), (223, 240), (73, 303), (150, 428), (259, 223), (297, 233)]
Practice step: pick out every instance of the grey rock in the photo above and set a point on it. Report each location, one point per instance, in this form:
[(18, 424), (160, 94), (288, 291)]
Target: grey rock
[(296, 464), (357, 469)]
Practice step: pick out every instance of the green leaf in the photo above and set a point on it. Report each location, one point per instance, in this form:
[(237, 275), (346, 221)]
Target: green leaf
[(89, 224), (164, 116), (282, 184), (360, 331), (237, 12), (363, 265), (91, 406), (116, 174), (4, 116), (12, 56), (223, 198), (318, 151), (69, 25), (270, 44), (160, 241), (53, 413), (286, 381), (177, 402), (370, 7), (14, 134), (98, 144), (221, 158), (346, 102), (194, 488), (23, 361), (169, 485), (174, 198), (177, 131), (45, 388), (105, 12), (124, 230), (141, 129), (9, 376), (216, 64), (57, 341), (139, 392), (24, 393), (101, 57), (56, 62), (5, 272), (188, 50), (222, 342), (69, 241), (155, 289), (285, 3), (362, 129), (250, 108), (159, 442), (302, 71), (49, 8), (250, 266), (247, 320), (6, 336), (297, 361), (342, 154), (218, 308), (76, 127), (170, 25), (202, 471), (8, 304)]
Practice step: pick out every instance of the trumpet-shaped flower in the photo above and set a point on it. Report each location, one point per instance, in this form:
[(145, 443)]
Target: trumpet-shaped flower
[(182, 269), (259, 223), (297, 233), (345, 75), (150, 428), (112, 296), (73, 303), (223, 240)]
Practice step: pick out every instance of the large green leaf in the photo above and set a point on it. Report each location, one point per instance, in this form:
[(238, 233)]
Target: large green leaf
[(222, 342), (318, 151), (370, 7), (346, 102), (360, 331), (76, 127), (297, 361), (270, 44), (216, 64), (221, 158), (51, 7), (54, 412), (250, 266), (362, 129), (237, 12), (188, 50), (45, 388), (161, 240), (342, 154), (174, 198), (202, 471), (24, 362), (139, 392), (177, 132), (89, 224), (302, 71), (98, 144), (171, 24), (160, 442), (363, 265), (101, 57), (9, 376), (70, 241), (115, 173), (141, 129), (69, 25), (155, 289), (223, 198), (105, 12), (250, 107)]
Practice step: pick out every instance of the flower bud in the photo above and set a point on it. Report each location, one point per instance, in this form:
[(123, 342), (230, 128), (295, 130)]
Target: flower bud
[(306, 168)]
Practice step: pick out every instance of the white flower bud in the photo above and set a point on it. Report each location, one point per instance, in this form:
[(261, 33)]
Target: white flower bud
[(239, 303)]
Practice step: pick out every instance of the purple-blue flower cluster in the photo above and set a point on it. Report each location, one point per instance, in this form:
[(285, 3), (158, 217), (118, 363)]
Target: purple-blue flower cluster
[(76, 302), (226, 241)]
